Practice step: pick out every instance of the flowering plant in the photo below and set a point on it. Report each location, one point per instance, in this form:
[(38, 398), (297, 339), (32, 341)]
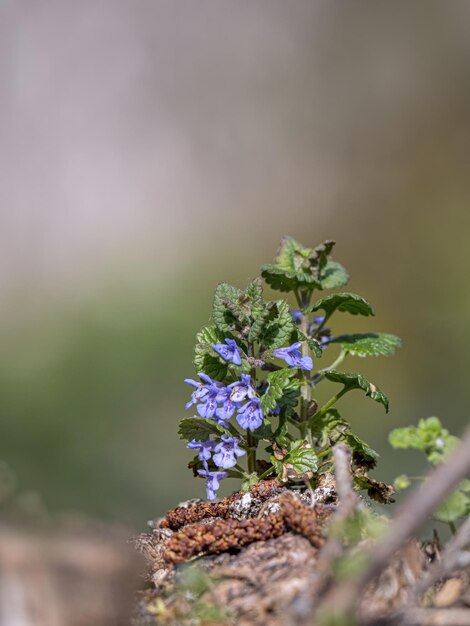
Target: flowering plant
[(257, 380)]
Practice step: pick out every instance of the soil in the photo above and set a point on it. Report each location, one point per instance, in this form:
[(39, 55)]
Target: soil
[(255, 559)]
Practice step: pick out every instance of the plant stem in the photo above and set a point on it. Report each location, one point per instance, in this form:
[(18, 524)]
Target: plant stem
[(320, 375), (250, 438), (322, 326), (251, 453), (305, 387), (266, 473), (327, 406)]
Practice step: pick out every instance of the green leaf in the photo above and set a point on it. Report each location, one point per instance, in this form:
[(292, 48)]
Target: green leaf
[(205, 359), (254, 295), (376, 490), (453, 508), (319, 255), (279, 381), (291, 269), (401, 482), (280, 434), (343, 301), (250, 482), (299, 460), (328, 426), (302, 459), (429, 436), (357, 381), (297, 268), (363, 454), (292, 256), (333, 276), (284, 280), (289, 399), (368, 344), (264, 431), (278, 326), (312, 343), (200, 428), (225, 308), (258, 325)]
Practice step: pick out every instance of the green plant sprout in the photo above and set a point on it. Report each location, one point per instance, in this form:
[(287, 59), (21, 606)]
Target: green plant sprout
[(437, 444), (257, 384)]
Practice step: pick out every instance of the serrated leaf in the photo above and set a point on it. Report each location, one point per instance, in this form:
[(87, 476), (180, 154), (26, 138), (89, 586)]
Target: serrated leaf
[(361, 450), (343, 301), (357, 381), (200, 428), (312, 343), (302, 460), (205, 360), (225, 299), (279, 382), (296, 267), (280, 434), (319, 255), (289, 400), (265, 431), (326, 426), (333, 276), (254, 293), (299, 461), (429, 436), (284, 280), (454, 507), (291, 255), (278, 326), (258, 325), (368, 344)]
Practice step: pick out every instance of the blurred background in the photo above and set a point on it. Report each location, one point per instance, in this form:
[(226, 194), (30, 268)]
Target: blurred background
[(152, 149)]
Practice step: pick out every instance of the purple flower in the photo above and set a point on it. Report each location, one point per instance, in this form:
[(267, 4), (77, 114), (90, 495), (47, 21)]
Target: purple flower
[(229, 352), (203, 448), (212, 482), (325, 339), (227, 451), (201, 389), (293, 357), (241, 389), (225, 412), (318, 319), (296, 316), (210, 394), (250, 415)]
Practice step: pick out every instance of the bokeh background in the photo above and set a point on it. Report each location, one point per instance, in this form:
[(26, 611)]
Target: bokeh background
[(152, 149)]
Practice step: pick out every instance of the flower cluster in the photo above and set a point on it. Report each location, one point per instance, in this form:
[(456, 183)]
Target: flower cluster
[(220, 402), (255, 384)]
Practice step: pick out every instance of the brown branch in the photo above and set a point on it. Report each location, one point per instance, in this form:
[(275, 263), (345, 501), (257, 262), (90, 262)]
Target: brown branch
[(436, 617), (344, 483), (418, 506), (416, 509), (348, 501), (450, 559)]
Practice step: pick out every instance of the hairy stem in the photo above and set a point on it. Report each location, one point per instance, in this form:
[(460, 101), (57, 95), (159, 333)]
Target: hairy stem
[(305, 386), (250, 438), (251, 453)]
